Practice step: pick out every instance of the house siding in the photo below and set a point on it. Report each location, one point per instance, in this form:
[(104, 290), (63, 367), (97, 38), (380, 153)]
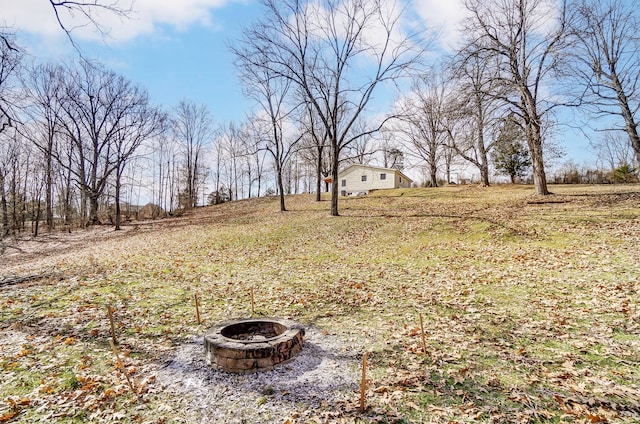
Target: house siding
[(354, 184), (402, 181)]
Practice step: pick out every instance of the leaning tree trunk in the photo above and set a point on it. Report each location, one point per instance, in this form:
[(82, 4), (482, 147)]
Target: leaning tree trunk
[(632, 130), (631, 126)]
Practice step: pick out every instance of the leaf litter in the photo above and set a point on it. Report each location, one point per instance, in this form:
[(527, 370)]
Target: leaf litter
[(531, 312)]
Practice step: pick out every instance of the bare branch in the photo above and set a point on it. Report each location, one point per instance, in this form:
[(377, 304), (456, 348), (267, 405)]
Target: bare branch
[(87, 10)]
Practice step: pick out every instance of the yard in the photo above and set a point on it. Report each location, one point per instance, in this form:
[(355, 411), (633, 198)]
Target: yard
[(530, 308)]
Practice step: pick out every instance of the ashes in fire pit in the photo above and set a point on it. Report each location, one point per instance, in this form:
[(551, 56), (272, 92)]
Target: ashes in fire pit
[(251, 345)]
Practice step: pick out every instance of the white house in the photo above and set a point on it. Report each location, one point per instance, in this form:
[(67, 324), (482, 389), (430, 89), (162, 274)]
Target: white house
[(360, 179)]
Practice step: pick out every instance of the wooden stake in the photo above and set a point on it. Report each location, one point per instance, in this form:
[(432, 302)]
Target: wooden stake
[(363, 384), (113, 328), (424, 343), (121, 365), (253, 303), (197, 308)]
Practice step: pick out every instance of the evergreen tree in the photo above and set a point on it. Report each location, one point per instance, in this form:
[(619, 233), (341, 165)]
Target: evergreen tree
[(510, 154)]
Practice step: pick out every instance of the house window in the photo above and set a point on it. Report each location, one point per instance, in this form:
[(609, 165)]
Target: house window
[(383, 176), (364, 178), (344, 183), (400, 179)]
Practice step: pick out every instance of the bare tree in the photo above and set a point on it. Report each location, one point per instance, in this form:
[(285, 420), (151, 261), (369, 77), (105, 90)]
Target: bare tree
[(251, 136), (231, 152), (218, 151), (67, 12), (392, 154), (193, 129), (271, 91), (420, 125), (362, 149), (613, 150), (315, 148), (97, 111), (17, 173), (10, 57), (140, 122), (8, 163), (606, 61), (526, 40), (336, 53), (45, 94), (474, 112)]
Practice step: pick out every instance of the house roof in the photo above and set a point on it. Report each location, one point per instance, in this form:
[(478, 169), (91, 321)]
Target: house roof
[(375, 168)]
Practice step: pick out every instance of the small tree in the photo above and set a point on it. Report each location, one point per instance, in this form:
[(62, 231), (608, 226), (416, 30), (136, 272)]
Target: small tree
[(510, 154), (625, 174)]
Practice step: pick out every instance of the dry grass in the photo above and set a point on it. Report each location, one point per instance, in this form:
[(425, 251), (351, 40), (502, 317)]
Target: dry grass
[(530, 305)]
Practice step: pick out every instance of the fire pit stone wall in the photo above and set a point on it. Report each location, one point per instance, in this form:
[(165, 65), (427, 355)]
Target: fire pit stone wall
[(247, 346)]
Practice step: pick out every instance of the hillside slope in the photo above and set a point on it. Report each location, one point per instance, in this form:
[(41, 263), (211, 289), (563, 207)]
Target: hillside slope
[(530, 309)]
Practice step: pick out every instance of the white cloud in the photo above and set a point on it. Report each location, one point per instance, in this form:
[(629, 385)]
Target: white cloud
[(37, 17), (445, 16)]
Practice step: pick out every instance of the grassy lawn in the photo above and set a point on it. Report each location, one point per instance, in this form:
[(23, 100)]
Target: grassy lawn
[(530, 305)]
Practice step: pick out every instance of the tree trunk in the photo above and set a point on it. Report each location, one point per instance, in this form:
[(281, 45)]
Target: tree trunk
[(319, 176), (484, 174), (5, 212), (49, 194), (631, 127), (433, 164), (280, 188), (117, 199), (93, 210), (482, 155), (534, 140), (14, 204), (535, 148), (433, 176), (37, 223), (67, 199), (334, 186), (482, 149)]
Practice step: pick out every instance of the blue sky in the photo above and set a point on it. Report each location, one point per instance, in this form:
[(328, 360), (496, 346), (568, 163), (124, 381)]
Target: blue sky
[(173, 57), (192, 63), (178, 49)]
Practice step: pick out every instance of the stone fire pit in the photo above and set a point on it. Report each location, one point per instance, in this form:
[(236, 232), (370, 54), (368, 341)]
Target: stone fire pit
[(251, 345)]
